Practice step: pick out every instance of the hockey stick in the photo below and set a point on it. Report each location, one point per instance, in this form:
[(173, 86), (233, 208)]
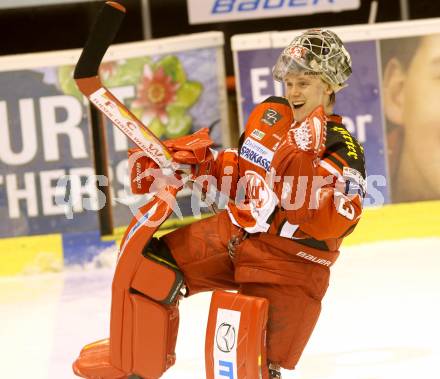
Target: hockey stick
[(86, 77)]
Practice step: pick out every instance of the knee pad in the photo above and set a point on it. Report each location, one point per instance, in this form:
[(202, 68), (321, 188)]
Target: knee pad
[(235, 345)]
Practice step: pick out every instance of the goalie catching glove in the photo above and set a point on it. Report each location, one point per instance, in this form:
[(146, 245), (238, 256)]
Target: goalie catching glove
[(190, 153)]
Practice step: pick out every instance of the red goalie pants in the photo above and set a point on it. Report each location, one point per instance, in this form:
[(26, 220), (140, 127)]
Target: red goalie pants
[(265, 266)]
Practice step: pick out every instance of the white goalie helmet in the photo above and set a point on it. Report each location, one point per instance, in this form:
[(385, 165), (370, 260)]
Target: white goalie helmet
[(319, 51)]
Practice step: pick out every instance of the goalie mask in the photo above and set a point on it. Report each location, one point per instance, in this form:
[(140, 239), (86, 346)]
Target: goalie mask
[(317, 50)]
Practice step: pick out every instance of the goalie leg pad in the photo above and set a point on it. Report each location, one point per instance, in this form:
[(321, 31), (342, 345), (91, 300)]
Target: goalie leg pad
[(150, 326), (155, 329), (149, 309), (235, 345), (154, 292)]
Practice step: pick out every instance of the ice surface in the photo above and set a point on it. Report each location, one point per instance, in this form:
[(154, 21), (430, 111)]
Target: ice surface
[(380, 319)]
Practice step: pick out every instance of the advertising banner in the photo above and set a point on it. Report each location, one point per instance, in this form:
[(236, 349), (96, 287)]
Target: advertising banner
[(44, 136), (175, 94), (206, 11), (47, 176), (411, 93), (378, 117)]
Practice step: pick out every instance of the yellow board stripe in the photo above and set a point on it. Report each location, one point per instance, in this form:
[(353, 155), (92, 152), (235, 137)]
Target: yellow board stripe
[(397, 221), (32, 254), (389, 222), (167, 227)]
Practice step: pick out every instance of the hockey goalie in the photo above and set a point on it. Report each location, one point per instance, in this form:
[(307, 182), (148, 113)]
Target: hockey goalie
[(295, 186)]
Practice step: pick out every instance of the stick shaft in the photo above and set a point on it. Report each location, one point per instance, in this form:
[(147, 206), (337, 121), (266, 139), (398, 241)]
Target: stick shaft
[(86, 77), (102, 35)]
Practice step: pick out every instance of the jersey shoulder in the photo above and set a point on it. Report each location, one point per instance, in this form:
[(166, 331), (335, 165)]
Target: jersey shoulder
[(267, 124), (342, 148), (276, 99)]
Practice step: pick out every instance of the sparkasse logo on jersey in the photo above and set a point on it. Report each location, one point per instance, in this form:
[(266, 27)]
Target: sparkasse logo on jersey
[(256, 153), (205, 11)]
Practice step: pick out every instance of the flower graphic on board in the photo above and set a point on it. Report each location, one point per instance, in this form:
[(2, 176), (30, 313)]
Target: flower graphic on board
[(107, 70), (164, 96), (155, 92), (162, 93)]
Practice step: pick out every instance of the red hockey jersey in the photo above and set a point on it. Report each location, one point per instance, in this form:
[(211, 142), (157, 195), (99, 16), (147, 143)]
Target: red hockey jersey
[(265, 203)]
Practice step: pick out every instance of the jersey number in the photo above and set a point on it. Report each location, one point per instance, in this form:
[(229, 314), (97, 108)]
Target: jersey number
[(345, 209)]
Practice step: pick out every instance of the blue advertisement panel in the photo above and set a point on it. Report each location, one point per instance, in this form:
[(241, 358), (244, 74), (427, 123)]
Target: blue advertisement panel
[(255, 78), (44, 136), (359, 104)]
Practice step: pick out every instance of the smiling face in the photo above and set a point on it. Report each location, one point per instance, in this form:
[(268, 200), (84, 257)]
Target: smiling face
[(305, 91)]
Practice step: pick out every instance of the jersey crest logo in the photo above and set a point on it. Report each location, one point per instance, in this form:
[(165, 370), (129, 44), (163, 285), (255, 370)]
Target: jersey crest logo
[(271, 117)]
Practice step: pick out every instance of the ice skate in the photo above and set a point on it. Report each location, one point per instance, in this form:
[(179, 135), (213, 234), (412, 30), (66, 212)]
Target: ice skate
[(274, 371)]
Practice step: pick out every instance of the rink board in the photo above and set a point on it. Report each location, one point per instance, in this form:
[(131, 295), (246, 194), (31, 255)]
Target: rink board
[(28, 255)]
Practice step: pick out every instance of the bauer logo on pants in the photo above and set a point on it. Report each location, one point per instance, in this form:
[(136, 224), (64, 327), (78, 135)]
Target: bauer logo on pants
[(225, 344)]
